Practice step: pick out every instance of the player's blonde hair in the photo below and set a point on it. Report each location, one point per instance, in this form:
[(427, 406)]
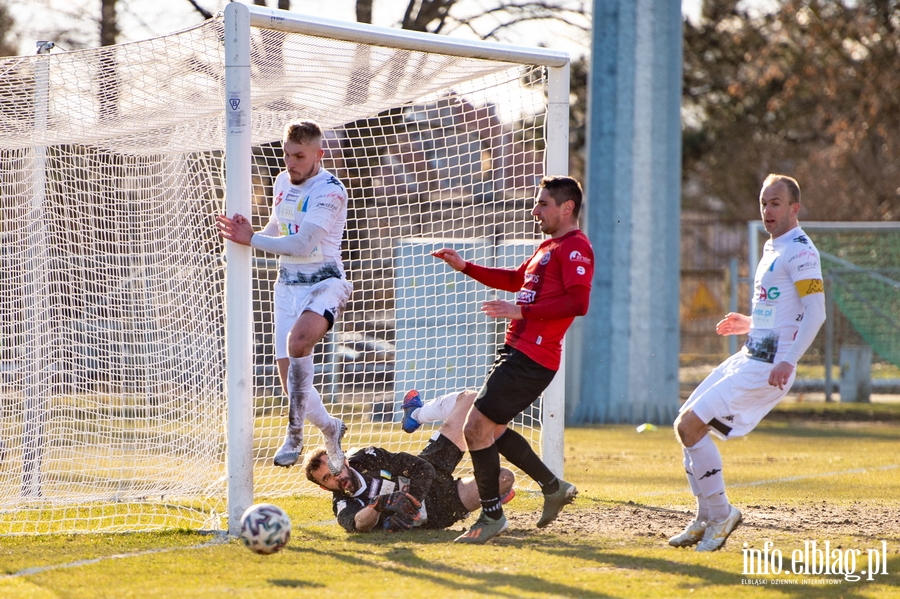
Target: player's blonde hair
[(303, 132), (792, 186)]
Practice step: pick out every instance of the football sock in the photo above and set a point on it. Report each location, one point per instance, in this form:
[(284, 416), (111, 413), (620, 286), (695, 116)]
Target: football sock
[(299, 379), (316, 412), (719, 507), (515, 448), (706, 464), (437, 410), (702, 503), (486, 463)]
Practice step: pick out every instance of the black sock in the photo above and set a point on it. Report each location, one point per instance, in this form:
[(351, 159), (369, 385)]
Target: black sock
[(486, 463), (515, 448)]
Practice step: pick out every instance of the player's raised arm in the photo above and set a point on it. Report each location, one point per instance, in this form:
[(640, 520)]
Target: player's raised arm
[(451, 258)]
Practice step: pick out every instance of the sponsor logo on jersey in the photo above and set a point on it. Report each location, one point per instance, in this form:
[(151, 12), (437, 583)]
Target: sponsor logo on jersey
[(803, 254), (545, 259), (772, 266), (334, 181), (802, 239), (769, 294), (525, 296), (729, 418), (530, 278), (577, 256), (331, 203), (808, 265), (279, 197)]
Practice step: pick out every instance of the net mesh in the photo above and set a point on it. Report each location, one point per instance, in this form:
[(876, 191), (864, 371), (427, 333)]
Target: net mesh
[(112, 402)]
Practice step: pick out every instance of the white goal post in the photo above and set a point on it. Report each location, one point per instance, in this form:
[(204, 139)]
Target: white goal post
[(138, 388)]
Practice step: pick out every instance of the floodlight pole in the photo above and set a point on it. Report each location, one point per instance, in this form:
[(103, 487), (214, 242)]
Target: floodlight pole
[(238, 272)]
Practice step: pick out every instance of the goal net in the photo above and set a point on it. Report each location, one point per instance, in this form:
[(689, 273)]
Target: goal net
[(117, 343)]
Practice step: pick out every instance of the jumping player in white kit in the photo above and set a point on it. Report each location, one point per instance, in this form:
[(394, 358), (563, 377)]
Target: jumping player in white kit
[(305, 228), (788, 308)]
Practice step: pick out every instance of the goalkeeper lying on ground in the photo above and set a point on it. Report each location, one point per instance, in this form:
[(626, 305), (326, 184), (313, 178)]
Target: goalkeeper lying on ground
[(396, 491)]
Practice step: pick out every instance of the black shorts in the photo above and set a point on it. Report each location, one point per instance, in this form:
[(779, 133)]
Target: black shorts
[(514, 382), (442, 502)]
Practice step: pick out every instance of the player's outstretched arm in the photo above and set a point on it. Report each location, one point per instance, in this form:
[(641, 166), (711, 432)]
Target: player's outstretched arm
[(451, 258), (733, 324)]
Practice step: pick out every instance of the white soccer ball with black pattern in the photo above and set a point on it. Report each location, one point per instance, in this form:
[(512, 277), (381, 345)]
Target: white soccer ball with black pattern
[(265, 528)]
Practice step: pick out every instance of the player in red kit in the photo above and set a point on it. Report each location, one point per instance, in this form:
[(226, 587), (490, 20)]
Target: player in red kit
[(552, 288)]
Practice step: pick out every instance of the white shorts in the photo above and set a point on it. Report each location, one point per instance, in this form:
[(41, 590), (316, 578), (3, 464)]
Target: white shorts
[(328, 298), (736, 396)]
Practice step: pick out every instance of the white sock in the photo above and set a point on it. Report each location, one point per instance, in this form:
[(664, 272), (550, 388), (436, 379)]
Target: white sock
[(437, 410), (702, 503), (299, 379), (706, 464), (316, 412)]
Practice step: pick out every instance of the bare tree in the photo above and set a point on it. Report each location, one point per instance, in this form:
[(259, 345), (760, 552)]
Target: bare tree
[(7, 24)]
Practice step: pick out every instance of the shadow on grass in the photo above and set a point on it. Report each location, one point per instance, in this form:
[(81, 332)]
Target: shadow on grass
[(399, 554), (405, 561), (817, 430), (296, 584)]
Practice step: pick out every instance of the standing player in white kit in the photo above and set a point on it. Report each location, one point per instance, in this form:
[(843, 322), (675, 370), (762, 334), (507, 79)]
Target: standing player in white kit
[(788, 310), (309, 212)]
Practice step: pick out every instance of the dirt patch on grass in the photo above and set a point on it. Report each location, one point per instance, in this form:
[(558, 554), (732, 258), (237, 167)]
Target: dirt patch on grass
[(818, 521)]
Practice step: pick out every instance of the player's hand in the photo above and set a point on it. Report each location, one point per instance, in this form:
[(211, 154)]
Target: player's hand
[(397, 503), (733, 324), (450, 257), (237, 229), (501, 309), (781, 374), (397, 523)]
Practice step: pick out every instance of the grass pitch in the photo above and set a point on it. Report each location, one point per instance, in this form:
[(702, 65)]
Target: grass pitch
[(803, 479)]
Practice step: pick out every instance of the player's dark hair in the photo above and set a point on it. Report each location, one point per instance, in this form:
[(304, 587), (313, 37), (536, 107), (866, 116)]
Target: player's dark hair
[(302, 132), (313, 461), (563, 189), (792, 186)]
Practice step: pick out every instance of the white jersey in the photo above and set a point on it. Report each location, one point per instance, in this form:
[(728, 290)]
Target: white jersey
[(788, 271), (320, 200)]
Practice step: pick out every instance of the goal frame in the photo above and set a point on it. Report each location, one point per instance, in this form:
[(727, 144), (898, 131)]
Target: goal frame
[(238, 104)]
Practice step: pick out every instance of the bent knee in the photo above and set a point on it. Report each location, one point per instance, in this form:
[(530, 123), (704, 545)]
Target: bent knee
[(466, 397), (689, 429)]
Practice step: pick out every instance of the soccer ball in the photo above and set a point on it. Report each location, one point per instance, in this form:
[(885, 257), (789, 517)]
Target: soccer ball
[(265, 528)]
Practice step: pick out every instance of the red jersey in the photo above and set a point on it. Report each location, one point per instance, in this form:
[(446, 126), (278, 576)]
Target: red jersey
[(552, 287)]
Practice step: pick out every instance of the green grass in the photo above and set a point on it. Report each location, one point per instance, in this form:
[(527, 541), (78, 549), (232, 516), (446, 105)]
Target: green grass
[(806, 461)]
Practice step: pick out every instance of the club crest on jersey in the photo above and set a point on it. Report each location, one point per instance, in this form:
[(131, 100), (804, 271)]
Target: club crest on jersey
[(577, 256), (545, 259)]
